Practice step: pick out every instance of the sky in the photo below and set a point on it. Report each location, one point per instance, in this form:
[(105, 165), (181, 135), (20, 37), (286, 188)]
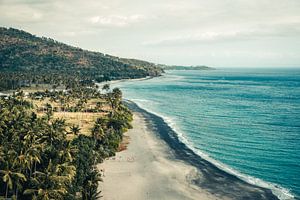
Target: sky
[(217, 33)]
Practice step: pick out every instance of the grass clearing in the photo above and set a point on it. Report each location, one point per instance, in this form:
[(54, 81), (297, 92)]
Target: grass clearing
[(85, 120)]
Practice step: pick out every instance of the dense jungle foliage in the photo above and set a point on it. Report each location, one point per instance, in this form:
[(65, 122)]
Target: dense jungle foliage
[(39, 159)]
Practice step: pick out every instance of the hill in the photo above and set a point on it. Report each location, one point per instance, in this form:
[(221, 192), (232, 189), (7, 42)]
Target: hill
[(178, 67), (35, 58)]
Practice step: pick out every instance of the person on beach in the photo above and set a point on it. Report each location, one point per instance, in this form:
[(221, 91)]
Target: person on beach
[(102, 171)]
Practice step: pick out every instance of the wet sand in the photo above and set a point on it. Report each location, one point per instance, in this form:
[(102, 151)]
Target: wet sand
[(157, 165)]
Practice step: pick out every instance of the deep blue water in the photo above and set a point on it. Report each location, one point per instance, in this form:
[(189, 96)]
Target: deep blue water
[(245, 121)]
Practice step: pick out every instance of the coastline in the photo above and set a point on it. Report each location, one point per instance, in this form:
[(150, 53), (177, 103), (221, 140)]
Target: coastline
[(101, 84), (179, 174), (147, 169)]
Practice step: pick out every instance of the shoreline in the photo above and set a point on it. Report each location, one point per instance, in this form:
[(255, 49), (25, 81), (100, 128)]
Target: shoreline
[(147, 169), (112, 82), (204, 178)]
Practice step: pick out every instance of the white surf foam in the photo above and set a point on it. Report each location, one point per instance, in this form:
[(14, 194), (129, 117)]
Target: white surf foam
[(280, 192)]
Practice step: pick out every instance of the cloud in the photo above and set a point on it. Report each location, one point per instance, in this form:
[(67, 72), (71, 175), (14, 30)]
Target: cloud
[(196, 38), (168, 31), (258, 33), (116, 20), (20, 13)]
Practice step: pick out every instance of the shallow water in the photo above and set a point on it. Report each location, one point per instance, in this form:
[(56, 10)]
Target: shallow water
[(247, 122)]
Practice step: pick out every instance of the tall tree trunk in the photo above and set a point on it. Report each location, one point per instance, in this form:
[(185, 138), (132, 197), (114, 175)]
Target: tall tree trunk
[(17, 192), (6, 192), (30, 170), (34, 169)]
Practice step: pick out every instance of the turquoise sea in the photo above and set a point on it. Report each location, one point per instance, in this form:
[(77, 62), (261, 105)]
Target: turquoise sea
[(245, 121)]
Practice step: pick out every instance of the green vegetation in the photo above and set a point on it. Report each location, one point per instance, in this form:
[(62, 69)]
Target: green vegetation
[(55, 126), (27, 60), (44, 157)]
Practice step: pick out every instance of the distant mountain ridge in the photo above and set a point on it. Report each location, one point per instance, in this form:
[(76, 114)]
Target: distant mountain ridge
[(22, 51), (179, 67)]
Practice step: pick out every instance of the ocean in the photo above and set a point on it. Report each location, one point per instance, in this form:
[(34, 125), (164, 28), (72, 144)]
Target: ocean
[(244, 121)]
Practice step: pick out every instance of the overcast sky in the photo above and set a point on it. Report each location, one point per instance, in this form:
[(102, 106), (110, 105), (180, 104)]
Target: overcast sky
[(219, 33)]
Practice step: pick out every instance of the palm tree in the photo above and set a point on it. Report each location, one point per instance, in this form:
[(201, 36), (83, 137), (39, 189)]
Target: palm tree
[(117, 94), (106, 87), (98, 106), (114, 98), (1, 154), (45, 194), (75, 129), (50, 185), (98, 129), (22, 161), (49, 113), (34, 157), (20, 96), (56, 132), (67, 171), (10, 178), (90, 186), (67, 152)]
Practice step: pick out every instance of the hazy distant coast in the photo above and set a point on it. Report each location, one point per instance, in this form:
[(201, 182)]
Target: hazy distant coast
[(180, 67)]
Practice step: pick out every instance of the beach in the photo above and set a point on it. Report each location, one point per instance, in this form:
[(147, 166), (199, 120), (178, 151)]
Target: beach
[(156, 165), (146, 170)]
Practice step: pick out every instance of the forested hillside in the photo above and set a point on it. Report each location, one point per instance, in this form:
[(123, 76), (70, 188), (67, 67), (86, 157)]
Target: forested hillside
[(27, 59)]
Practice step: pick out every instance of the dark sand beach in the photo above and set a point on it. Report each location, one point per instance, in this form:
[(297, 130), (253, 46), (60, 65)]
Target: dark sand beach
[(157, 165)]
